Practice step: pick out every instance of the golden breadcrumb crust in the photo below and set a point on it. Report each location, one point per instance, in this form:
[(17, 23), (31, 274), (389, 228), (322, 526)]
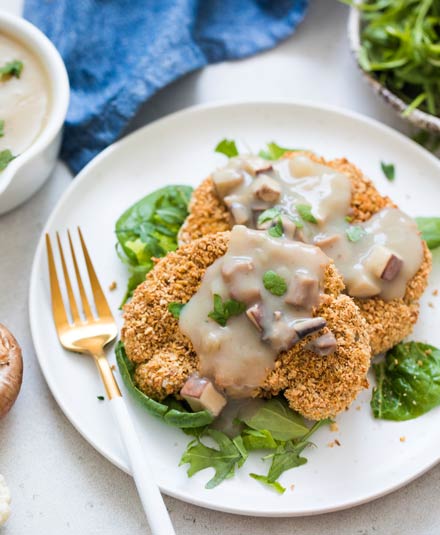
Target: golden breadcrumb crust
[(388, 322), (315, 386)]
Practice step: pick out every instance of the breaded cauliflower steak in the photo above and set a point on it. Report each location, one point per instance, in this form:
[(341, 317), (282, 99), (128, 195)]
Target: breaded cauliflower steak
[(315, 386), (388, 321)]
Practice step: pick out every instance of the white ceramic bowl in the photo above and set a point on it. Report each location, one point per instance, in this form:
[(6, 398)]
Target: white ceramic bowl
[(417, 117), (26, 173)]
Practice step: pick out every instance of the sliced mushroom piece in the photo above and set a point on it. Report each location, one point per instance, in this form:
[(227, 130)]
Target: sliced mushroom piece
[(231, 269), (226, 180), (324, 345), (326, 241), (256, 165), (246, 293), (282, 335), (363, 286), (266, 188), (11, 370), (201, 395), (309, 326), (255, 315), (289, 227), (239, 211), (383, 263), (303, 291), (302, 166)]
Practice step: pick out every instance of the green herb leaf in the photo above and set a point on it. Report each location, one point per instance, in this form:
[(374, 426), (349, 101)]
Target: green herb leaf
[(258, 440), (274, 283), (407, 382), (6, 157), (12, 68), (175, 309), (227, 147), (148, 230), (305, 211), (223, 459), (273, 484), (223, 310), (355, 233), (268, 215), (276, 417), (430, 229), (101, 398), (276, 231), (348, 218), (388, 170), (2, 128), (274, 151)]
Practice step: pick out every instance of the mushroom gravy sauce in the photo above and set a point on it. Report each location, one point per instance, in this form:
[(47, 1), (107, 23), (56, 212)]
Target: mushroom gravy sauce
[(310, 202), (238, 356)]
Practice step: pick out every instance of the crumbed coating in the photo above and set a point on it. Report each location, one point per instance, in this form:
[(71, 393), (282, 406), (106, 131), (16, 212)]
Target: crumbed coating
[(314, 386), (388, 322)]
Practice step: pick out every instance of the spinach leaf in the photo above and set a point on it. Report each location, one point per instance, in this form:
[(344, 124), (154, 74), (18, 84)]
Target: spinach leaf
[(355, 233), (407, 382), (388, 170), (148, 230), (430, 229), (6, 157), (12, 68), (274, 283), (227, 147), (228, 454), (171, 410), (223, 310), (274, 151), (276, 417)]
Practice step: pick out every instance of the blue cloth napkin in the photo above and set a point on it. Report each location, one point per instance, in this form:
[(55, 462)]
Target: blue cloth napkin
[(118, 53)]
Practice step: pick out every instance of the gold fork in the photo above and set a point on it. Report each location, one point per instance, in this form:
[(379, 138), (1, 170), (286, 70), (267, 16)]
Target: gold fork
[(89, 335)]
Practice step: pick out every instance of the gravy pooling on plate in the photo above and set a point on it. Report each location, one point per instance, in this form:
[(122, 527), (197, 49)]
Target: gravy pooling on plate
[(310, 202), (24, 100)]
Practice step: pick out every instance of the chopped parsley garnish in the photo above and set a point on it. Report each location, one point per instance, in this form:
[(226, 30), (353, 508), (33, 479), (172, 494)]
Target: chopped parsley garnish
[(175, 309), (12, 68), (388, 170), (274, 283), (305, 211), (223, 310), (274, 151), (355, 233), (101, 398), (6, 157), (268, 215), (276, 231), (348, 218), (227, 147)]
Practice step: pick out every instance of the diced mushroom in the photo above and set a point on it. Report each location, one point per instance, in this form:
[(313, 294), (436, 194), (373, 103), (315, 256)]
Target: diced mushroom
[(277, 315), (324, 345), (257, 165), (226, 180), (383, 263), (282, 335), (302, 166), (239, 211), (201, 395), (247, 293), (231, 269), (255, 315), (289, 227), (309, 326), (326, 241), (303, 291), (266, 188), (362, 286)]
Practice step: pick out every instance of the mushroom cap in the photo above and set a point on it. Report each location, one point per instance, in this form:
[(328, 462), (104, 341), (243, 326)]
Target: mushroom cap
[(11, 370)]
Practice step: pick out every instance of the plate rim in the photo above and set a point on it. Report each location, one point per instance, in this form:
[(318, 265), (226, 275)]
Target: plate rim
[(85, 172)]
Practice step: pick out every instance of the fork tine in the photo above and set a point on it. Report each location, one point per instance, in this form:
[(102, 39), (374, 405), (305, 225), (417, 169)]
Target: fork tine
[(100, 300), (85, 303), (72, 301), (58, 310)]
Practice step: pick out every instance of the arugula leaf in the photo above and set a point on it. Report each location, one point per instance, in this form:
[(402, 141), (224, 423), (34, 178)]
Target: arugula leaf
[(388, 170), (268, 215), (171, 410), (355, 233), (274, 484), (12, 68), (227, 147), (274, 151), (223, 310), (407, 382), (430, 229), (258, 439), (276, 231), (274, 283), (2, 128), (278, 419), (305, 211), (148, 230), (223, 459), (6, 157), (175, 309)]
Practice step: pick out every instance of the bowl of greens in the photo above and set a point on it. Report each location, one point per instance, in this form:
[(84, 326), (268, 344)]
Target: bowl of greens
[(397, 47)]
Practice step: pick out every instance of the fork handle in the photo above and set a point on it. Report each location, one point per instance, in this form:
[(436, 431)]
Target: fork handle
[(154, 506)]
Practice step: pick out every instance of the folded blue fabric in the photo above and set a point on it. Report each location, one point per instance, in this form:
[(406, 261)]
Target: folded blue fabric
[(118, 53)]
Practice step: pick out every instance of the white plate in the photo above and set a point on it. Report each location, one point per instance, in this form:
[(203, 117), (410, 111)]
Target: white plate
[(371, 460)]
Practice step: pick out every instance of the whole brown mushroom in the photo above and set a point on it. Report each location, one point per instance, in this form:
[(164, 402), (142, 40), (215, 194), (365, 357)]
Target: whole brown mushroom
[(11, 370)]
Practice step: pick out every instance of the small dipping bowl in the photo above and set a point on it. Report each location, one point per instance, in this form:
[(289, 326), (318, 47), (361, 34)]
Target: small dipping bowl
[(28, 171), (417, 117)]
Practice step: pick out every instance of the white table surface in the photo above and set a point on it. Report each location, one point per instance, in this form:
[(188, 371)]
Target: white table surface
[(59, 483)]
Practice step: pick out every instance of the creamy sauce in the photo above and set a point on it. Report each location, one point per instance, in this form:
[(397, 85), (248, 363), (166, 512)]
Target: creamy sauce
[(24, 101), (376, 258), (238, 356)]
